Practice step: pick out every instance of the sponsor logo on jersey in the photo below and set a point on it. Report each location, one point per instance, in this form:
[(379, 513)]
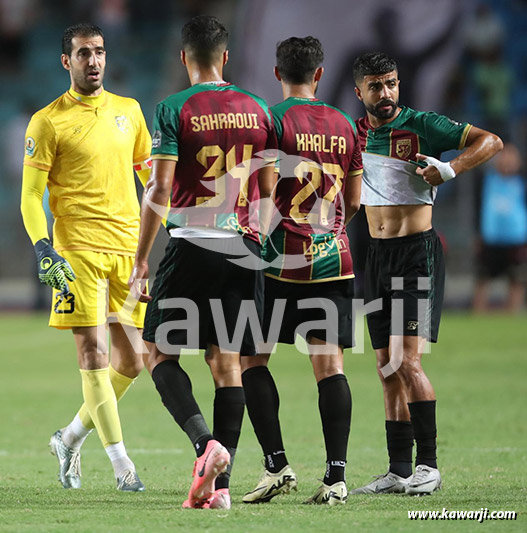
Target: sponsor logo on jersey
[(156, 139), (122, 123), (30, 146)]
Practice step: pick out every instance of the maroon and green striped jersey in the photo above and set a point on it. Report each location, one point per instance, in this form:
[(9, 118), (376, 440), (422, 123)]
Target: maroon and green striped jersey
[(389, 175), (215, 132), (318, 149)]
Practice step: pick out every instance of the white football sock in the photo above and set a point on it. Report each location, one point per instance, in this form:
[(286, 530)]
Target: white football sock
[(75, 433), (119, 458)]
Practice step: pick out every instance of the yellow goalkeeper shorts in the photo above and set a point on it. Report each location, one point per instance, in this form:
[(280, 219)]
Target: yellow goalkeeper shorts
[(99, 293)]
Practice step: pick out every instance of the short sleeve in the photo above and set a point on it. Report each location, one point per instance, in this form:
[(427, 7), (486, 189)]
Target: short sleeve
[(271, 146), (272, 142), (443, 133), (164, 139), (356, 158), (41, 143), (277, 123), (143, 143)]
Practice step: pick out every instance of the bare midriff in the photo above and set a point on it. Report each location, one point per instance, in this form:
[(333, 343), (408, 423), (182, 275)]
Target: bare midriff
[(390, 221)]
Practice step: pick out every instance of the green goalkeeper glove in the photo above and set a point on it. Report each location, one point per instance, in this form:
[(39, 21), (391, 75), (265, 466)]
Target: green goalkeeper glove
[(53, 270)]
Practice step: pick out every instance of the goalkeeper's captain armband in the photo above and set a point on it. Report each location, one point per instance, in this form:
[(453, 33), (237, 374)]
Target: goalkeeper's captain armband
[(53, 270)]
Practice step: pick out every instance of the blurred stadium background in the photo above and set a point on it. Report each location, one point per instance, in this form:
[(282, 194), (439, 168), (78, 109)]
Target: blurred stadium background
[(466, 59)]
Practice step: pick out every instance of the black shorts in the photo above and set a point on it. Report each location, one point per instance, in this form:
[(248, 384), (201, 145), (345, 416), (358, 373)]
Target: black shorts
[(338, 292), (408, 274), (509, 261), (198, 275)]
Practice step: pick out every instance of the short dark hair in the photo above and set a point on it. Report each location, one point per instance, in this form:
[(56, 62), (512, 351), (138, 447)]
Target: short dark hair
[(297, 58), (372, 63), (205, 38), (78, 30)]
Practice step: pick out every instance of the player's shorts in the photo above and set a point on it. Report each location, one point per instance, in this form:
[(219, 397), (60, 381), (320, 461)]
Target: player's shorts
[(338, 294), (508, 261), (407, 273), (100, 288), (196, 271)]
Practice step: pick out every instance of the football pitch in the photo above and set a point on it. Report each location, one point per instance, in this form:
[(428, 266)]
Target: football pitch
[(478, 369)]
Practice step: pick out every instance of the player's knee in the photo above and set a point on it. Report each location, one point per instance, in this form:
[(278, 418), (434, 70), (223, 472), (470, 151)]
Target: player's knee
[(252, 361), (150, 361), (91, 357), (327, 372), (382, 360), (133, 368), (153, 357), (410, 370), (221, 366), (225, 368)]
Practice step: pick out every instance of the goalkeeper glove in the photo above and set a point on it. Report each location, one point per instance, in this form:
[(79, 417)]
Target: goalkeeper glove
[(53, 270)]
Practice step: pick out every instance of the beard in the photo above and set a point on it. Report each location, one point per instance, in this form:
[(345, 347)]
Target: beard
[(376, 111), (86, 84)]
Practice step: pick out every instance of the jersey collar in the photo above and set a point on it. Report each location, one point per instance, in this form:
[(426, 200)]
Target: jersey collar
[(303, 98), (92, 101), (214, 82)]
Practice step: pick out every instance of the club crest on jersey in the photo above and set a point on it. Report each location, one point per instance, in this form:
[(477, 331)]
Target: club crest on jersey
[(30, 146), (403, 148), (122, 123), (412, 325)]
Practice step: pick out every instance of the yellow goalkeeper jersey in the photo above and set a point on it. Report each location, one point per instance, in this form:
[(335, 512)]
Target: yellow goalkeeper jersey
[(90, 152)]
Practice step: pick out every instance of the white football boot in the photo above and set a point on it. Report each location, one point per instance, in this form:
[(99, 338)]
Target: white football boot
[(270, 485), (69, 462), (386, 484), (425, 481), (336, 494), (129, 481)]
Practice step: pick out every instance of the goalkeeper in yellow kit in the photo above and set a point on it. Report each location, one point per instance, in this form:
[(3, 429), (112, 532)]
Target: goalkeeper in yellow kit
[(84, 147)]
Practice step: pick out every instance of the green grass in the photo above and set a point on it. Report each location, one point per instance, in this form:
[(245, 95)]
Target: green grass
[(478, 370)]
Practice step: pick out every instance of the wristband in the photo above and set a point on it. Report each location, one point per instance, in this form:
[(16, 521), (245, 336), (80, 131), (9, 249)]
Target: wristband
[(445, 169)]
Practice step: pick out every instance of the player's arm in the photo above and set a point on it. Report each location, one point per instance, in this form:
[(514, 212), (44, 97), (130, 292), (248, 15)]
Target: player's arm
[(352, 195), (53, 270), (143, 171), (34, 183), (480, 146), (353, 182), (267, 178), (153, 207)]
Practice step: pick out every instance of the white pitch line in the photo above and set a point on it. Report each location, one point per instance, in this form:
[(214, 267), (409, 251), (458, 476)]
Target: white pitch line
[(179, 451), (133, 451)]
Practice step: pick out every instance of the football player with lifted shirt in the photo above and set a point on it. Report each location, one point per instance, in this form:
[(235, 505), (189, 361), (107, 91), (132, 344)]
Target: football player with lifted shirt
[(401, 149)]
